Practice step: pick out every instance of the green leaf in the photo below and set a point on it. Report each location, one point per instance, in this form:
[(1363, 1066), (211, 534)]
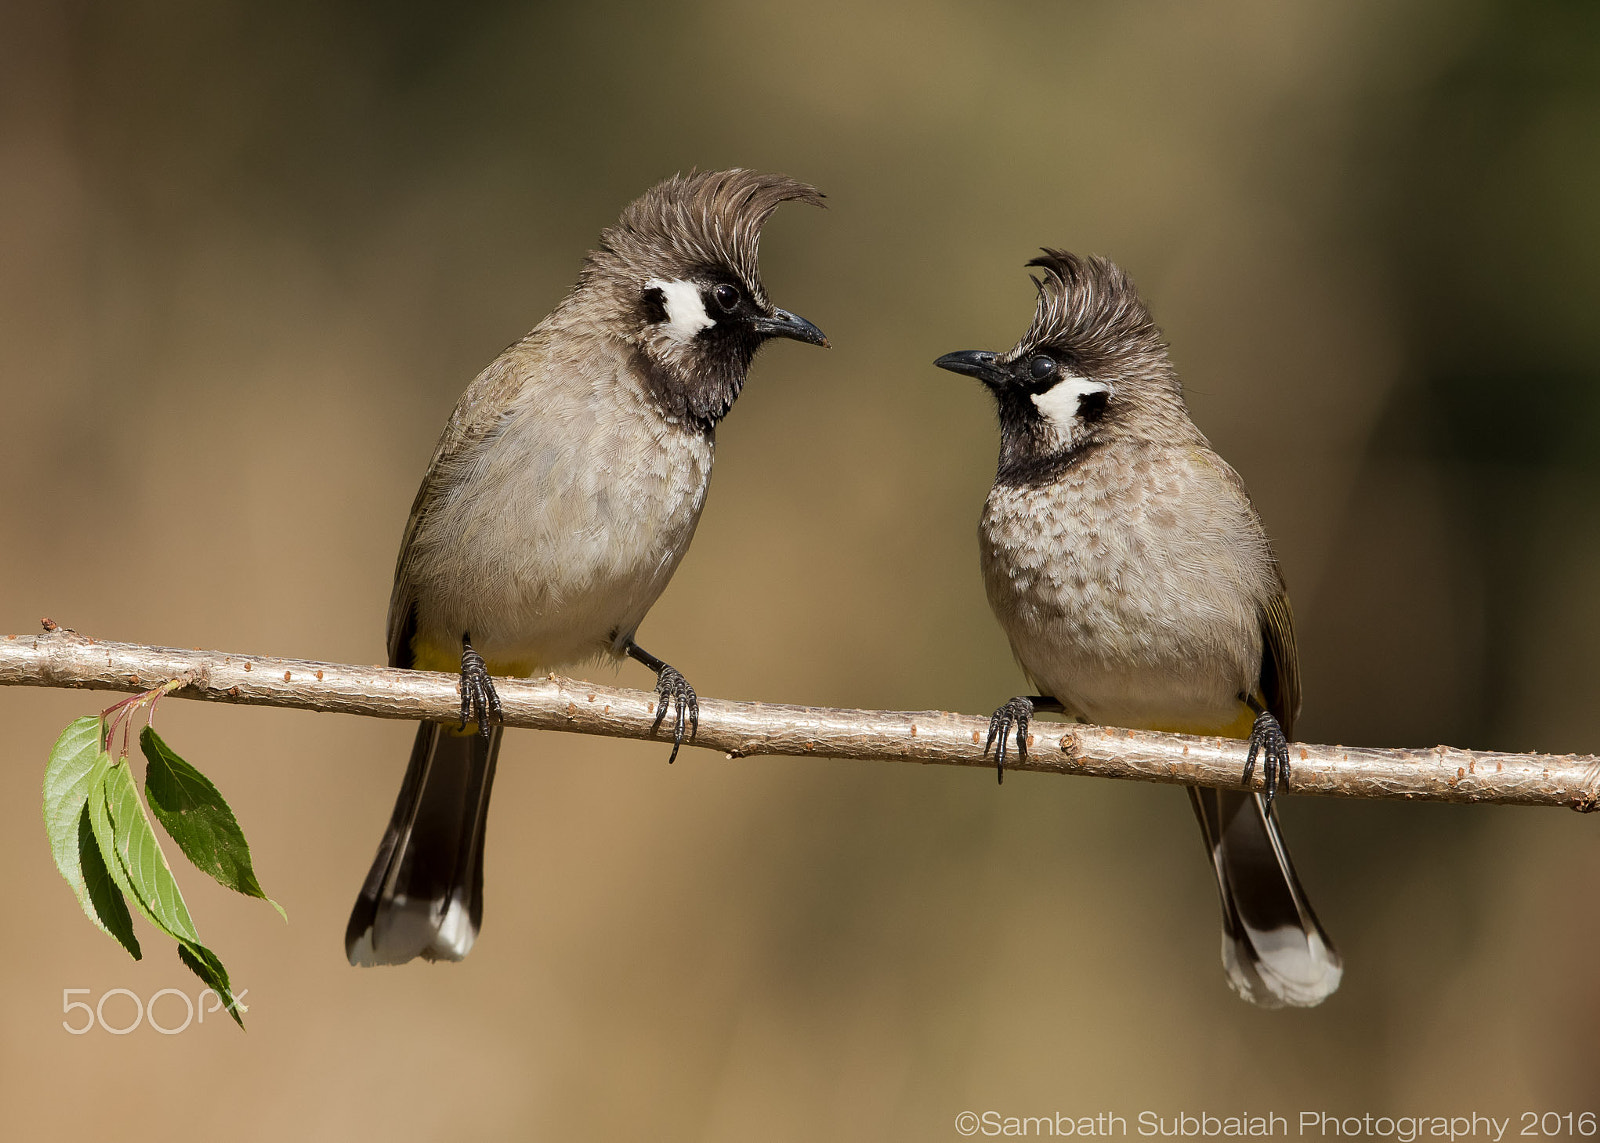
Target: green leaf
[(193, 812), (66, 797), (204, 963), (140, 869), (134, 844), (105, 836), (110, 907), (66, 791)]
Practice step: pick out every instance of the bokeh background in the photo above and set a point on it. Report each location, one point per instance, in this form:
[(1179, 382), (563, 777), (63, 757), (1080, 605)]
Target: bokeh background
[(249, 256)]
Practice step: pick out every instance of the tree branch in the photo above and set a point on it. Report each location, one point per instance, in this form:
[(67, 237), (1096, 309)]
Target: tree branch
[(61, 658)]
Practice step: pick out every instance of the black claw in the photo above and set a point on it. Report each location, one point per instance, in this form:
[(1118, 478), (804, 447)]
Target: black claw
[(1017, 713), (479, 702), (673, 688), (1267, 740)]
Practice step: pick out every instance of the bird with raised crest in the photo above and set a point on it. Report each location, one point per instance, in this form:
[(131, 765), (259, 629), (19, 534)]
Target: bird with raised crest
[(560, 499), (1136, 584)]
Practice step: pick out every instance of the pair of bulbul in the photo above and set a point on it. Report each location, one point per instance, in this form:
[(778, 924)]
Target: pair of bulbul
[(1122, 555)]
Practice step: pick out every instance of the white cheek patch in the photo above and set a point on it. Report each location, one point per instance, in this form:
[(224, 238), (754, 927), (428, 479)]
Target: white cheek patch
[(1059, 403), (686, 310)]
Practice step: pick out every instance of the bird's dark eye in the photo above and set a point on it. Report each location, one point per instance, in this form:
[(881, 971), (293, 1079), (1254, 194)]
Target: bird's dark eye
[(1042, 368), (727, 297)]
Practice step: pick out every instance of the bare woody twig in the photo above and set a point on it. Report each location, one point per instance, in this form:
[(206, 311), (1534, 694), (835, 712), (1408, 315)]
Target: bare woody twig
[(60, 658)]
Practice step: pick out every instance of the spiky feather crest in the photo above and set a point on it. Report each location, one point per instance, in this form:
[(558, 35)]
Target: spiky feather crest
[(701, 219), (1089, 307)]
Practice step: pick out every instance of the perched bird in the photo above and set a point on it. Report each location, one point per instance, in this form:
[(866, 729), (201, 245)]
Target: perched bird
[(1138, 588), (563, 493)]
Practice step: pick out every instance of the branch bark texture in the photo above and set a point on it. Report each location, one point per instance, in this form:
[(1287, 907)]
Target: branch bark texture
[(61, 658)]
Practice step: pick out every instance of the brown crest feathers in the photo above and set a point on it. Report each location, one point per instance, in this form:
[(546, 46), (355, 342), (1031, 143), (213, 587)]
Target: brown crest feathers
[(1091, 307), (702, 218)]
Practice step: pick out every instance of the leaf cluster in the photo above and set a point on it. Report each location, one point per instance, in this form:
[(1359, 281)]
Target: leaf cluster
[(107, 849)]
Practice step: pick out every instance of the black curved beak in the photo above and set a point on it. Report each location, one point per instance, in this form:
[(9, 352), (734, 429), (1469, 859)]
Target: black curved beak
[(983, 364), (782, 323)]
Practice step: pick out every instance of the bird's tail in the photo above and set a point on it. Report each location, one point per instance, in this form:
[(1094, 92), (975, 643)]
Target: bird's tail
[(1273, 947), (424, 895)]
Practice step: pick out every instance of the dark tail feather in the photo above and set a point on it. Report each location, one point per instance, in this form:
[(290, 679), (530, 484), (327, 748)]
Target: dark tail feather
[(1273, 947), (424, 896)]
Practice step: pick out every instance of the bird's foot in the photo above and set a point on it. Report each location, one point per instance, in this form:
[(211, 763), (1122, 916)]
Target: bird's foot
[(1018, 714), (479, 702), (1267, 740), (674, 690)]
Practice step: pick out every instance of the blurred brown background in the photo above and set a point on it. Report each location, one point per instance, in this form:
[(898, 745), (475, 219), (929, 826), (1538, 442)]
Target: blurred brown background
[(250, 254)]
